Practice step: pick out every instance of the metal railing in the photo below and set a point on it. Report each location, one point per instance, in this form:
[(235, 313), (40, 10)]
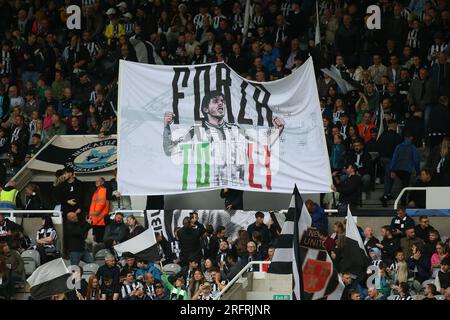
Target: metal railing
[(139, 213), (239, 275), (400, 195), (12, 214)]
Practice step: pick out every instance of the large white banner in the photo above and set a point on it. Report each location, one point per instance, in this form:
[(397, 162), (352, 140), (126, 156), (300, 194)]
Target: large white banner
[(203, 127)]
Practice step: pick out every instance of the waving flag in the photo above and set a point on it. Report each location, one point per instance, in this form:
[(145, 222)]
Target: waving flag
[(299, 251)]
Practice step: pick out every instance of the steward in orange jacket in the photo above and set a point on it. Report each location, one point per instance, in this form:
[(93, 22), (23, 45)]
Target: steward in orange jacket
[(98, 210)]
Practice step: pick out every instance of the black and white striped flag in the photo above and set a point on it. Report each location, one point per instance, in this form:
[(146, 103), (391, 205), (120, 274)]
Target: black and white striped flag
[(49, 279), (299, 251), (354, 255), (142, 246)]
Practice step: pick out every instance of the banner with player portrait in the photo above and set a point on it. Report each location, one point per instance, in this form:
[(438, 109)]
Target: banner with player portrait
[(203, 127)]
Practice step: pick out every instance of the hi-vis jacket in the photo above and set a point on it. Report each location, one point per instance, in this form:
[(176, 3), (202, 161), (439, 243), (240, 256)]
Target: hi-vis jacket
[(99, 207), (8, 198)]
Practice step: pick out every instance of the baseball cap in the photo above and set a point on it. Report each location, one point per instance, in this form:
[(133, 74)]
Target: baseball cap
[(110, 11), (122, 5), (128, 15)]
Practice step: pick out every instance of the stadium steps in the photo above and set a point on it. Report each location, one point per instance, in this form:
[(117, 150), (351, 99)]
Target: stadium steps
[(260, 286), (373, 198)]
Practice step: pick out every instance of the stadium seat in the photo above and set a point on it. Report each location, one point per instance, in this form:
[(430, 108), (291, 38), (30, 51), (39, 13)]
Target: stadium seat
[(89, 270), (31, 260), (100, 256), (440, 297), (172, 269)]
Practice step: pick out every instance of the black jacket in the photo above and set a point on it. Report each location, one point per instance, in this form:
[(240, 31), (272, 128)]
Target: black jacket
[(349, 190), (238, 63), (69, 191), (82, 93), (166, 249), (347, 40), (190, 244), (365, 163), (75, 234), (387, 143), (416, 127), (33, 202), (390, 248), (214, 245), (11, 226), (115, 232), (72, 295), (234, 198), (423, 233), (371, 244), (401, 224), (246, 258), (112, 273), (439, 119), (136, 231)]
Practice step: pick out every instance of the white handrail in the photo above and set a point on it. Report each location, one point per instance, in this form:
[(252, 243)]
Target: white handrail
[(403, 191), (140, 212), (239, 275), (12, 212)]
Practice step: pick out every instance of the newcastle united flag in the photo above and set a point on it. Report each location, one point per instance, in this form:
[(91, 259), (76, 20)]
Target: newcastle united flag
[(300, 252)]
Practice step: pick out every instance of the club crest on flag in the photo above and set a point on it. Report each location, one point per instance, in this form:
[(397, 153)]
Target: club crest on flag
[(315, 275)]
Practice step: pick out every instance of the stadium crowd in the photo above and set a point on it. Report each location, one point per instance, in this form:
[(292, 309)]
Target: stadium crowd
[(394, 125)]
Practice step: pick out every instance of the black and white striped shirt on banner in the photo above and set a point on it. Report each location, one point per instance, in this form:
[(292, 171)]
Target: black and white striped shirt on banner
[(127, 289), (413, 39), (6, 62)]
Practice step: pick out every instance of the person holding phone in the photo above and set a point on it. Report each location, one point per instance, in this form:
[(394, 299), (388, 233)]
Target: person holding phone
[(203, 292)]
